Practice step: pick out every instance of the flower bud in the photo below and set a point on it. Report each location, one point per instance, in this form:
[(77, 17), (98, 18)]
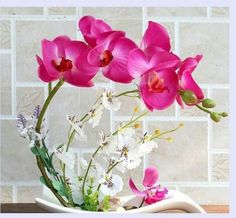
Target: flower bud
[(157, 132), (215, 116), (136, 109), (189, 97), (137, 125), (208, 103), (181, 125), (224, 114), (169, 139)]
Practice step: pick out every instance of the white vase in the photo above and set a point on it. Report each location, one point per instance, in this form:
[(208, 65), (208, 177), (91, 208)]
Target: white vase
[(175, 201)]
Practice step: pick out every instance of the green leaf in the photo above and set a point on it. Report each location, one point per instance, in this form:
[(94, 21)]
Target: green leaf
[(35, 151), (56, 185), (42, 180)]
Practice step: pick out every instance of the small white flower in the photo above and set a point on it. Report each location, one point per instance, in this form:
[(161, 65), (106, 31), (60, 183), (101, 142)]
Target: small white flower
[(95, 115), (109, 101), (78, 127), (146, 147), (111, 184), (67, 157)]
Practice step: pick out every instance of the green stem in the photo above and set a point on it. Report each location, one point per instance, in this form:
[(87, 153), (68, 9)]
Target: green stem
[(141, 203), (49, 87), (127, 92), (37, 129), (46, 104), (203, 109), (88, 168), (129, 123)]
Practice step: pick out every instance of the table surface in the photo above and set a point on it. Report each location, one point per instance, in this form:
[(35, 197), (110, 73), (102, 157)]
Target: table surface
[(33, 208)]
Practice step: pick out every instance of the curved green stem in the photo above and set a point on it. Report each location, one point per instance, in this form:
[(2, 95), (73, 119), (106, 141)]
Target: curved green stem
[(203, 109), (37, 129)]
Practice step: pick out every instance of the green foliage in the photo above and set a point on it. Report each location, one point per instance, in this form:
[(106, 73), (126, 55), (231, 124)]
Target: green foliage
[(91, 202), (106, 203)]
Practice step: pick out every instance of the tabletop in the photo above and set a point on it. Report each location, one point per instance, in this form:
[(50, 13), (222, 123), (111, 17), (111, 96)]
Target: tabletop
[(33, 208)]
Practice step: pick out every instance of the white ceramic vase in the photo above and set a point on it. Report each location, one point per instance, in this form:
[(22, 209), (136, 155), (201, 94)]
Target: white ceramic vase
[(175, 201)]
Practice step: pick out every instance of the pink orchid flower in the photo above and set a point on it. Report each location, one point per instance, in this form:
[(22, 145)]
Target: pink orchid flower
[(92, 28), (159, 82), (111, 54), (152, 193), (186, 81), (65, 59), (155, 65)]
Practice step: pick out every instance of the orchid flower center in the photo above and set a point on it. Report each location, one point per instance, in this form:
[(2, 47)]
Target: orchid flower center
[(64, 65), (106, 58), (155, 83)]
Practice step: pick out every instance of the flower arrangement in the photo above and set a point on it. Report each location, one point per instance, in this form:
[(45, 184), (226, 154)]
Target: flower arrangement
[(163, 78)]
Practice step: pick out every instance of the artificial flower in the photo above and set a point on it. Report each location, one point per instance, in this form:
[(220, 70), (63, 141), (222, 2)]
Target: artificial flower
[(95, 115), (67, 157), (186, 81), (111, 184), (110, 101), (111, 54), (65, 59), (92, 28), (152, 193), (78, 127)]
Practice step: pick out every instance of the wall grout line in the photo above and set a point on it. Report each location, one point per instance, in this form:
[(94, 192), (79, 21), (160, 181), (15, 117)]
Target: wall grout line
[(220, 151), (14, 193), (45, 12), (209, 12), (209, 143), (13, 68)]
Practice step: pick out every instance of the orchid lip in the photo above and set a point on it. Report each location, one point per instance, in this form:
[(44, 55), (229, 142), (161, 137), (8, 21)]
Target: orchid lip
[(64, 65), (156, 84), (106, 58)]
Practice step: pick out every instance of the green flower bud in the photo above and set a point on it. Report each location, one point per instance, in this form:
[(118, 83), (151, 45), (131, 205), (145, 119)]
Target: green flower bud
[(215, 116), (224, 114), (189, 97), (208, 103)]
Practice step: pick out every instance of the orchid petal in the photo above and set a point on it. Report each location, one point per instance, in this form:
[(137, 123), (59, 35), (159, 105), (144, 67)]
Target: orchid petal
[(150, 176), (137, 63), (61, 42), (50, 55), (156, 34), (42, 71), (135, 190)]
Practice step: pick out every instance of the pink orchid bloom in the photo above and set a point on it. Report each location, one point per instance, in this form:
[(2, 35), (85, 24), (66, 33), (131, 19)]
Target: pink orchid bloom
[(156, 66), (92, 28), (159, 82), (152, 193), (156, 35), (186, 81), (65, 59), (111, 54)]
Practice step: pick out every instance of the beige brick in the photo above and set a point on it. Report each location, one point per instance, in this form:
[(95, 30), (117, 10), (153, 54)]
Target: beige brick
[(178, 160), (21, 11), (61, 11), (28, 45), (28, 98), (5, 36), (6, 194), (5, 61), (65, 102), (125, 19), (208, 195), (27, 194), (176, 11), (220, 171), (221, 130), (220, 12), (211, 40), (116, 13), (17, 161)]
